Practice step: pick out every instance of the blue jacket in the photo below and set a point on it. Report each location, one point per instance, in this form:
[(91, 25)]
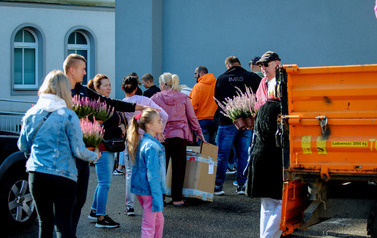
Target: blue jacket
[(149, 171), (58, 141)]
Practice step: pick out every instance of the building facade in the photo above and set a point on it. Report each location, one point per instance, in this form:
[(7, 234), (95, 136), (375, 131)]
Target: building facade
[(36, 36), (156, 36)]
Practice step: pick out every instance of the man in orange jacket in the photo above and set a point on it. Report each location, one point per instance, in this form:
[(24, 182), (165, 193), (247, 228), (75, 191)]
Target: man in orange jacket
[(203, 102)]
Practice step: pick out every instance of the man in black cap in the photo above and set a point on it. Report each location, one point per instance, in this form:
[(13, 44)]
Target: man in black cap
[(266, 180), (254, 67), (266, 90)]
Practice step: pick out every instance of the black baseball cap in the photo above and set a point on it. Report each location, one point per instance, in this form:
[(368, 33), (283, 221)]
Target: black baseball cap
[(268, 57), (254, 60)]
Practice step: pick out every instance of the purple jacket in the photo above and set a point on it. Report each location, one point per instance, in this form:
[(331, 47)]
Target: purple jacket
[(182, 119)]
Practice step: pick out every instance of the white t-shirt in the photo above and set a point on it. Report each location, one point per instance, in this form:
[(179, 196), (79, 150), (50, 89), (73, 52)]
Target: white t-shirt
[(271, 86)]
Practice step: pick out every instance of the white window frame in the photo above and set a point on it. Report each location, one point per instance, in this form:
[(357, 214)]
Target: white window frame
[(86, 47), (26, 45)]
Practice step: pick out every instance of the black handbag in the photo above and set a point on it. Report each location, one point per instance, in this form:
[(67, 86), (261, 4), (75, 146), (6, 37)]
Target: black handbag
[(115, 145)]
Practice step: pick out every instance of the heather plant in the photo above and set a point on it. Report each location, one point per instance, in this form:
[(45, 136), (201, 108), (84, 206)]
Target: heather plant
[(84, 107), (240, 106), (101, 111), (92, 132)]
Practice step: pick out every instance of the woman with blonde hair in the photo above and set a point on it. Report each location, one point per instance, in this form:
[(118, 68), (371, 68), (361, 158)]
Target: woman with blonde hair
[(51, 134), (178, 130)]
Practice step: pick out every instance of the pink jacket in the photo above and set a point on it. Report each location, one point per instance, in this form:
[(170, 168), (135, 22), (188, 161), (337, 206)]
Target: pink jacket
[(182, 119)]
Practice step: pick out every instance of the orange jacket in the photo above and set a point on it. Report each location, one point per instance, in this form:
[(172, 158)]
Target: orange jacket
[(202, 97)]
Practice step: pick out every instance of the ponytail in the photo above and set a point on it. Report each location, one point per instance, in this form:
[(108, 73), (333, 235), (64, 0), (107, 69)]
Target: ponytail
[(133, 139), (171, 81), (175, 83)]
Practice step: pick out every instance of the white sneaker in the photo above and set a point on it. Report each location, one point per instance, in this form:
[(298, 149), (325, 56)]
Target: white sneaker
[(117, 172)]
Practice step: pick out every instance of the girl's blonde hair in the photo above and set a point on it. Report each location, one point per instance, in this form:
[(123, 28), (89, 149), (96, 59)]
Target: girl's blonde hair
[(133, 140), (57, 83), (171, 81)]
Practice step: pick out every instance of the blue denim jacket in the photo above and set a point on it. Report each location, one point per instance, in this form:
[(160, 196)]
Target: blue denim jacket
[(57, 143), (149, 171)]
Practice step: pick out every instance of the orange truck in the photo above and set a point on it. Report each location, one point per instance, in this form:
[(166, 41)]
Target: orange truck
[(328, 135)]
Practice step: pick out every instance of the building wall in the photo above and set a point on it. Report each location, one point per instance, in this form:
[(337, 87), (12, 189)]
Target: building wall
[(307, 33), (54, 22)]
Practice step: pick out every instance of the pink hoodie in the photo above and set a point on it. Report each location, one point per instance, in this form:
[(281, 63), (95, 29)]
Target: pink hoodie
[(182, 119)]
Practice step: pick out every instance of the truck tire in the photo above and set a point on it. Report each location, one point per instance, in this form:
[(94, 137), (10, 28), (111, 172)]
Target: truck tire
[(372, 222), (16, 203)]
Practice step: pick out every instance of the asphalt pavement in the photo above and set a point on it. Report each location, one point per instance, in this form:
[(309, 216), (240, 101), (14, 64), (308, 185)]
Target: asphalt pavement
[(231, 215)]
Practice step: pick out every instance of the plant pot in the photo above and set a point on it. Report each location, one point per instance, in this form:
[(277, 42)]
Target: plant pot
[(91, 148), (250, 122), (100, 121), (240, 123)]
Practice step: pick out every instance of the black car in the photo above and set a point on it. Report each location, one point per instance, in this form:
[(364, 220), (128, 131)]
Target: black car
[(16, 203)]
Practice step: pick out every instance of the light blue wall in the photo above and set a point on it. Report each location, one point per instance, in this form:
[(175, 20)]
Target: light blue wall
[(138, 39), (205, 32)]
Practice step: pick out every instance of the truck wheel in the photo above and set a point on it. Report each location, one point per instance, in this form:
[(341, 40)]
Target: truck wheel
[(372, 222), (16, 202)]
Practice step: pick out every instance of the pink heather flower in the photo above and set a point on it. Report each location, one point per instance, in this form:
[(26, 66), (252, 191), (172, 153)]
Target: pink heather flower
[(92, 132), (241, 105), (84, 107)]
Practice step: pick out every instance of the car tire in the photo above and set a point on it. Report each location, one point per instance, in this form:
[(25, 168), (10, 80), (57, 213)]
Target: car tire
[(372, 222), (16, 201)]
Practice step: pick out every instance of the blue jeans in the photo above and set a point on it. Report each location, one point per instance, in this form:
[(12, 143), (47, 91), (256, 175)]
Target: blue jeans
[(130, 197), (227, 137), (209, 129), (104, 169)]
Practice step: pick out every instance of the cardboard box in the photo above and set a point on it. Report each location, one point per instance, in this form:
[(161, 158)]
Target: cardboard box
[(201, 167)]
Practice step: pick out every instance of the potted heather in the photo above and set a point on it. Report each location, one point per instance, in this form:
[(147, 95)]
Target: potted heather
[(84, 107), (92, 132), (101, 111), (240, 109)]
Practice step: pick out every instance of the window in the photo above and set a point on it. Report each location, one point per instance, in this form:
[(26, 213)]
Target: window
[(25, 60), (79, 43)]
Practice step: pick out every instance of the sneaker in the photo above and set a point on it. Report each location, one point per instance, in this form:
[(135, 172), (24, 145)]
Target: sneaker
[(117, 172), (219, 192), (93, 216), (130, 211), (107, 222), (241, 190), (231, 171), (235, 183)]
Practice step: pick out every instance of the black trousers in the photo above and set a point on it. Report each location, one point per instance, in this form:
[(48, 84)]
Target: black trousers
[(54, 198), (82, 190), (175, 148)]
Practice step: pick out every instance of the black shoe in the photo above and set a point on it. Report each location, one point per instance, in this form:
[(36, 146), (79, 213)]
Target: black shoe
[(231, 171), (93, 216), (107, 222), (241, 190), (219, 192), (130, 211)]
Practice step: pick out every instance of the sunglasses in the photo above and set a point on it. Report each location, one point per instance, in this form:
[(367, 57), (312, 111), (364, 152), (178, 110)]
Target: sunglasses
[(263, 64)]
